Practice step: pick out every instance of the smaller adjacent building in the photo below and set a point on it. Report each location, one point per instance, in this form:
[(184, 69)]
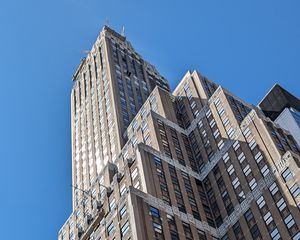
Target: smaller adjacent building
[(284, 109)]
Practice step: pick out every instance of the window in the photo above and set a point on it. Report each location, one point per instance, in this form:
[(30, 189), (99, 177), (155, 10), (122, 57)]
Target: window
[(225, 157), (225, 237), (193, 105), (230, 133), (221, 144), (134, 173), (112, 204), (297, 236), (201, 235), (238, 231), (280, 146), (281, 204), (174, 235), (124, 228), (123, 211), (273, 188), (137, 185), (187, 230), (134, 140), (221, 111), (171, 219), (216, 133), (255, 231), (289, 221), (154, 212), (247, 132), (252, 144), (134, 125), (275, 234), (225, 121), (241, 196), (247, 170), (248, 215), (110, 228), (252, 184), (236, 145), (287, 175), (235, 183), (208, 113), (212, 123), (230, 169), (157, 227), (268, 218), (78, 213), (241, 157), (122, 189), (217, 102), (261, 202), (295, 190), (258, 157), (144, 126), (265, 170)]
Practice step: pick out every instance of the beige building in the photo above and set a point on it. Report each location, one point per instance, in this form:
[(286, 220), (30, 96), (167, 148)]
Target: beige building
[(198, 163)]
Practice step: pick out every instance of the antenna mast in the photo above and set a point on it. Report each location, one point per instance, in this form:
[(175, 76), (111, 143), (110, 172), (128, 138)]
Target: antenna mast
[(123, 31)]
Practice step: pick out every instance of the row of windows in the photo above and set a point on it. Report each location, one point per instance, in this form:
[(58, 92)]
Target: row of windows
[(248, 173), (162, 180), (195, 159), (283, 209), (190, 194), (209, 86), (156, 223), (181, 113), (292, 186), (177, 190), (239, 235), (158, 229), (209, 203), (255, 232), (283, 142), (124, 229), (267, 217), (192, 101), (239, 109), (286, 175)]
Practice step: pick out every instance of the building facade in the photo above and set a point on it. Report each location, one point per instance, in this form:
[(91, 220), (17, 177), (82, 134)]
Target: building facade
[(195, 163), (283, 108)]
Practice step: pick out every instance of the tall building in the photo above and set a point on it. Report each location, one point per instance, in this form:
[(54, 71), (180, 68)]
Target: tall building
[(195, 163), (284, 109), (110, 86)]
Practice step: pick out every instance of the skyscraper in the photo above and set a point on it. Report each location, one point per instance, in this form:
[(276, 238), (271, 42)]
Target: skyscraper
[(110, 86), (283, 108), (198, 163)]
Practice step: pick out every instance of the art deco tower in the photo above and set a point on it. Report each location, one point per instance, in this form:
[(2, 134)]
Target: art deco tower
[(110, 86), (198, 163)]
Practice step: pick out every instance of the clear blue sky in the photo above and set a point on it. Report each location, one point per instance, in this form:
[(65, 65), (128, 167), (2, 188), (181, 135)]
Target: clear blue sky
[(245, 46)]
